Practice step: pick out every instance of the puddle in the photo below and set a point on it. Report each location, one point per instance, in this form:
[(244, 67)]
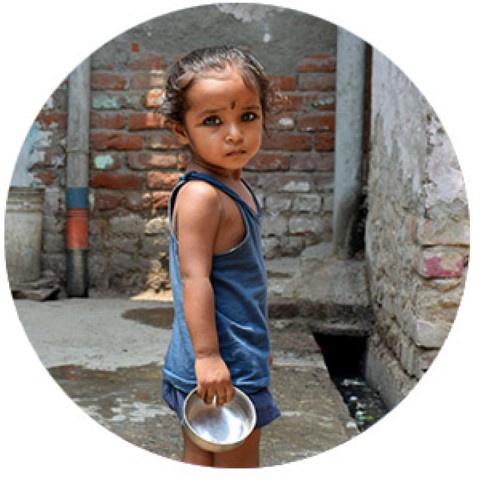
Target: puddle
[(161, 317)]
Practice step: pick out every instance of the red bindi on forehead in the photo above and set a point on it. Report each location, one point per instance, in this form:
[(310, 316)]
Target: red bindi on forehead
[(232, 105)]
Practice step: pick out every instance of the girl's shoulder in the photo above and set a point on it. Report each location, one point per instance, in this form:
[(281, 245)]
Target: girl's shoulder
[(198, 195)]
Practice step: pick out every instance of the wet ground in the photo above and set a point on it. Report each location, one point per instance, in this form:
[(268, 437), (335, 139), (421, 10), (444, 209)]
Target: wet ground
[(117, 378), (128, 403), (364, 403)]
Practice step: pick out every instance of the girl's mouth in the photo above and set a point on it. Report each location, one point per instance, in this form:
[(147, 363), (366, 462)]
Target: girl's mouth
[(236, 152)]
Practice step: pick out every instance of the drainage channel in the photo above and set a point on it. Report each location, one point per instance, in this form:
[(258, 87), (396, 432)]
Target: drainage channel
[(345, 359)]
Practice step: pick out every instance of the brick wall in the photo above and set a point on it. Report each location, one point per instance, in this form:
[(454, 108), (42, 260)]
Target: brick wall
[(417, 239), (135, 162), (293, 173)]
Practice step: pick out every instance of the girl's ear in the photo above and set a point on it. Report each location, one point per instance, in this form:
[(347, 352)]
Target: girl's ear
[(180, 133)]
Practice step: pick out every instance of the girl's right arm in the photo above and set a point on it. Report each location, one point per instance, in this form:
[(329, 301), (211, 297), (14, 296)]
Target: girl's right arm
[(197, 218)]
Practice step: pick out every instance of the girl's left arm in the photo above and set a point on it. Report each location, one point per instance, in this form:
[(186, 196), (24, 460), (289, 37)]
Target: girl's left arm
[(197, 220)]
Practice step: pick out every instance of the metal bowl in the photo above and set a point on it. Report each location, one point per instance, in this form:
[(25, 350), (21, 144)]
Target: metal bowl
[(218, 429)]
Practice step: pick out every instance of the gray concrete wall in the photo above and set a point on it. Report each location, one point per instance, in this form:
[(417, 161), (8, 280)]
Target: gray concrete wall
[(279, 37), (417, 233)]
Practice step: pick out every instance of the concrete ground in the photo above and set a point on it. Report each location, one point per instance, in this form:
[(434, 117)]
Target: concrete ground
[(107, 354)]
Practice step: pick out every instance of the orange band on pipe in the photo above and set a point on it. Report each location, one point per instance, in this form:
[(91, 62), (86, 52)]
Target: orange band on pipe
[(77, 229)]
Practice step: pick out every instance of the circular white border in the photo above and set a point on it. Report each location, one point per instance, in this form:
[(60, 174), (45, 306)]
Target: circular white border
[(429, 434)]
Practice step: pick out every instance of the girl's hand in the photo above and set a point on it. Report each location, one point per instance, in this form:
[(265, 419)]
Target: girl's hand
[(213, 380)]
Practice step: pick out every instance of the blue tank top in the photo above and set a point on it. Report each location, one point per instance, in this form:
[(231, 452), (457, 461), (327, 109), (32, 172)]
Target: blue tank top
[(239, 284)]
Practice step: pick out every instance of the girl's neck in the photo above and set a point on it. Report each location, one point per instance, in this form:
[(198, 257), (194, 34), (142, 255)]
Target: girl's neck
[(221, 174)]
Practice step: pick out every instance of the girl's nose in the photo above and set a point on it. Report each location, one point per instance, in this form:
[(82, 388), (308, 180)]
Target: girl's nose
[(234, 134)]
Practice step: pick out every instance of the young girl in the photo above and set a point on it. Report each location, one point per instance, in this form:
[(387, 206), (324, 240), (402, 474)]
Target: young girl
[(215, 103)]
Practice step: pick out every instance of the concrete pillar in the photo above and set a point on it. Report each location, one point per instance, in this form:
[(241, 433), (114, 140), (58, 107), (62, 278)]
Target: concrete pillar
[(77, 203), (350, 86)]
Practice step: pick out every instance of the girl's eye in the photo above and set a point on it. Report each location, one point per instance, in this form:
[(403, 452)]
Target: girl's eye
[(211, 121), (249, 116)]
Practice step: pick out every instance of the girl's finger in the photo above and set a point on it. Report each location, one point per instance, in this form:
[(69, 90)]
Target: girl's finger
[(222, 397), (230, 392), (208, 397)]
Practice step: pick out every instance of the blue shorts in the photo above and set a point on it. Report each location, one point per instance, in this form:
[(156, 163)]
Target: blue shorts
[(262, 400)]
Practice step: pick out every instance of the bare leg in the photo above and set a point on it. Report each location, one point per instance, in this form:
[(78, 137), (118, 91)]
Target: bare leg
[(246, 455), (194, 454)]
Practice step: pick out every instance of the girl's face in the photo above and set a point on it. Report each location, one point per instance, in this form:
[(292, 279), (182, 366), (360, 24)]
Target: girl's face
[(223, 123)]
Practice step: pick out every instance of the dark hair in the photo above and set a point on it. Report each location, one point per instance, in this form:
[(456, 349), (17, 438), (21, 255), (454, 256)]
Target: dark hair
[(186, 70)]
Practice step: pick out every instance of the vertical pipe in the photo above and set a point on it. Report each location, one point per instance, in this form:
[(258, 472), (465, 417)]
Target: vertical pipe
[(76, 231), (349, 117)]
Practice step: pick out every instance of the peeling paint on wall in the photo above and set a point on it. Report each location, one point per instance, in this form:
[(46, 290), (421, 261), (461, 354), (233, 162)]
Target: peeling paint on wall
[(30, 154), (103, 162), (248, 13), (445, 182)]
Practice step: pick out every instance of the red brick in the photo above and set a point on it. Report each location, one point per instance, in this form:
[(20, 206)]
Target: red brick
[(160, 200), (162, 181), (47, 178), (135, 201), (318, 63), (145, 121), (52, 120), (135, 47), (116, 181), (316, 123), (162, 141), (325, 142), (309, 162), (306, 102), (323, 101), (440, 264), (153, 98), (107, 121), (293, 102), (283, 82), (265, 162), (108, 81), (146, 161), (144, 80), (52, 157), (107, 201), (147, 62), (314, 81), (281, 121), (287, 141), (115, 141)]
